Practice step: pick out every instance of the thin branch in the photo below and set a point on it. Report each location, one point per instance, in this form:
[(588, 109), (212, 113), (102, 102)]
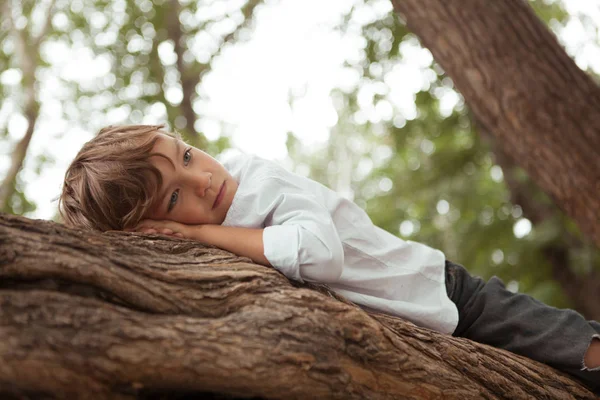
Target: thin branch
[(46, 27), (26, 57), (188, 83), (248, 12)]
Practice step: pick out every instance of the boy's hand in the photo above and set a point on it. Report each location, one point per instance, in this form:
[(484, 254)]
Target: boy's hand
[(164, 227)]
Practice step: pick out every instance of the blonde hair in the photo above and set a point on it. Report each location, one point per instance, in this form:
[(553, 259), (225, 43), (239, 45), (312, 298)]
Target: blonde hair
[(111, 184)]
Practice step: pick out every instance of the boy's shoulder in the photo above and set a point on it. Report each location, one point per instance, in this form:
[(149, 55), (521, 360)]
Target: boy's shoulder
[(241, 165)]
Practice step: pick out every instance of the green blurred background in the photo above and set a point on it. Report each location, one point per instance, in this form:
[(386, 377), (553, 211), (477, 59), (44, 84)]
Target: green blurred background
[(339, 91)]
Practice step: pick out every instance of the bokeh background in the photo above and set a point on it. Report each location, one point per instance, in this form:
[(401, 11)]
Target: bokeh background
[(337, 90)]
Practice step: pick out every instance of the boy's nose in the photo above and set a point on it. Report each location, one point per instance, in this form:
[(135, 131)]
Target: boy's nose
[(202, 183)]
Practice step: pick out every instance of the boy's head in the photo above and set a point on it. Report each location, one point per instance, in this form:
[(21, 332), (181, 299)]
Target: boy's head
[(129, 173)]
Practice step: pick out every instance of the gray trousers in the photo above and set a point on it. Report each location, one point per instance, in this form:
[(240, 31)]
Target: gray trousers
[(490, 314)]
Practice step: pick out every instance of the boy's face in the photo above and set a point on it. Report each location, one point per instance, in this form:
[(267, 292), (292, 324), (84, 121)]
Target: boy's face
[(196, 189)]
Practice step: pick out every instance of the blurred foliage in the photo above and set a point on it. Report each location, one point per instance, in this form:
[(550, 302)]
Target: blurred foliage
[(152, 48), (149, 49), (429, 175)]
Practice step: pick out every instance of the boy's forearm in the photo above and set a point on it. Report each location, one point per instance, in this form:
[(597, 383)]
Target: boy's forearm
[(244, 242), (592, 356)]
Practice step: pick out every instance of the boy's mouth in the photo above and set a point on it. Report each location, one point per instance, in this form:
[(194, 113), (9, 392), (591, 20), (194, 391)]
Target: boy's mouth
[(220, 196)]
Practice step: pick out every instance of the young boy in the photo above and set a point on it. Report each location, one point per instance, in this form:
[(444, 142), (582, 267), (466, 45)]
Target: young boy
[(141, 178)]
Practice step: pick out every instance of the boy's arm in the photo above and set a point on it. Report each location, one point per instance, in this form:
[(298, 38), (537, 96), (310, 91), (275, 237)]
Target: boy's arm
[(245, 242), (592, 356)]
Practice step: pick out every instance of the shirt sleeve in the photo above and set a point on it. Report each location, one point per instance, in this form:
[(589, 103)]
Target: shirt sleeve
[(299, 236), (301, 239)]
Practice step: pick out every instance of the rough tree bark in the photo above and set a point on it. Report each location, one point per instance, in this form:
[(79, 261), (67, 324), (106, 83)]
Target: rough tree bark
[(524, 88), (119, 315)]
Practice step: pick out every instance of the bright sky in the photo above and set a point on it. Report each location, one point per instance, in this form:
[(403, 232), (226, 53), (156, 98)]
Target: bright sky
[(293, 50)]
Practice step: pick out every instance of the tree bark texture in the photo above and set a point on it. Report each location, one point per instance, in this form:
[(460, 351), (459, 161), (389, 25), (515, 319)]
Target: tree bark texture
[(524, 88), (122, 315)]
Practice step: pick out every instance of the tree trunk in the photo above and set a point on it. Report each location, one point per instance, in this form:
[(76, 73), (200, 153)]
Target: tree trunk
[(524, 88), (123, 315), (28, 48)]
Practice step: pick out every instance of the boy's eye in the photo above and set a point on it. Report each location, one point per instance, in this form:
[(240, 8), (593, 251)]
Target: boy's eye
[(187, 156), (173, 199)]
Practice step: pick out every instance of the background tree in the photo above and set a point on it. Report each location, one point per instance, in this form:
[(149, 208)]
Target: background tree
[(544, 116)]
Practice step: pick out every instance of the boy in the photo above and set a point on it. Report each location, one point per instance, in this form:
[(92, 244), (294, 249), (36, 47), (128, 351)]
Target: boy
[(141, 178)]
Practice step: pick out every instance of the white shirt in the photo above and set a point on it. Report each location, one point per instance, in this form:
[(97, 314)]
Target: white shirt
[(312, 233)]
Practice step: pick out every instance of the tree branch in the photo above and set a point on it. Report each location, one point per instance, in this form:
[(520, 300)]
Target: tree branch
[(248, 12), (46, 27), (124, 315)]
